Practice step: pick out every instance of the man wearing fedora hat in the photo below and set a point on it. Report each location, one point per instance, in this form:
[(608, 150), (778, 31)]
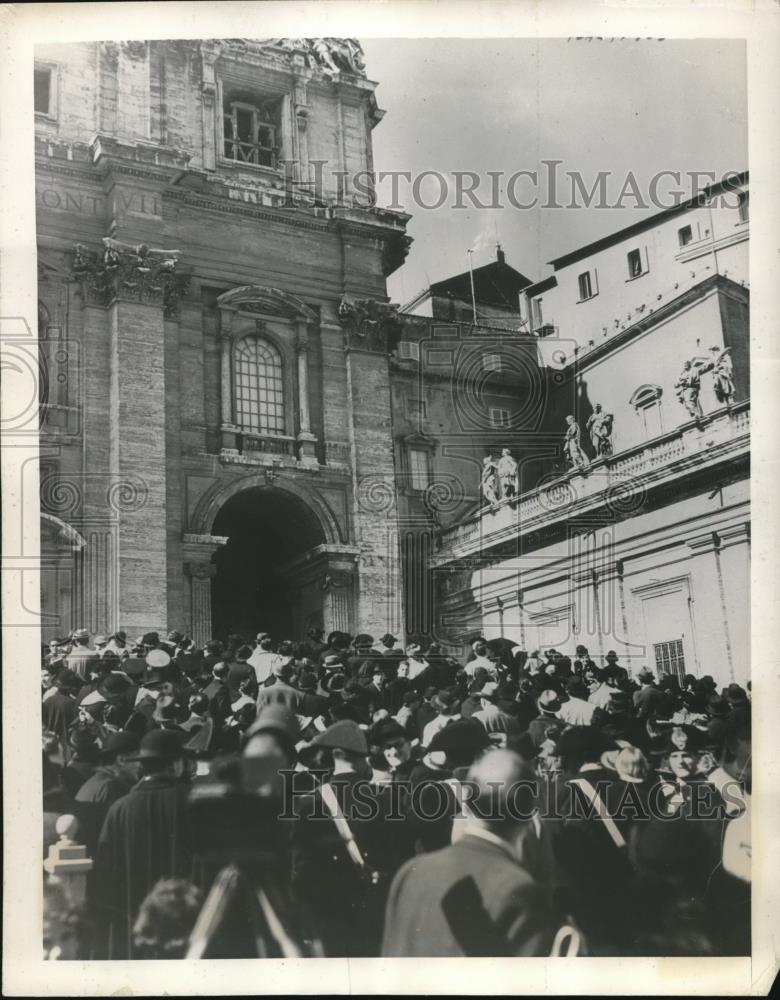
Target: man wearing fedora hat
[(114, 777), (345, 849), (549, 705), (447, 705), (145, 836)]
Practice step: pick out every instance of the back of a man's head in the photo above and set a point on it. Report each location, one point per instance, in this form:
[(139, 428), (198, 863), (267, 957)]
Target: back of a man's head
[(502, 791), (266, 643)]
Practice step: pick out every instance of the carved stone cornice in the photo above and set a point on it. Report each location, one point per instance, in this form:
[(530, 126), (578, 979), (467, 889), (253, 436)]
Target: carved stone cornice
[(368, 324), (132, 274), (329, 58)]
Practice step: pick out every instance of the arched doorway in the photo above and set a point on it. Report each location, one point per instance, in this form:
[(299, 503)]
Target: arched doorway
[(255, 588)]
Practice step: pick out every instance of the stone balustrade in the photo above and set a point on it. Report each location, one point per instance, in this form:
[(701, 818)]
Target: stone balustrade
[(618, 482)]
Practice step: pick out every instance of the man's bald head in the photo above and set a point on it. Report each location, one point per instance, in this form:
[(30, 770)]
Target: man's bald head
[(502, 791)]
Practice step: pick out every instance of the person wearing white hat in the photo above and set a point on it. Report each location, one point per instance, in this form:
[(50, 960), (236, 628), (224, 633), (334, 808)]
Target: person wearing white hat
[(82, 654)]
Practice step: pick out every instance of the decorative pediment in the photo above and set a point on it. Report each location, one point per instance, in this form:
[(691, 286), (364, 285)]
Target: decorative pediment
[(266, 301)]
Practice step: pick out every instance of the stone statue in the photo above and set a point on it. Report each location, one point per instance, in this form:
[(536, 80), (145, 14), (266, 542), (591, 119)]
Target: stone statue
[(687, 388), (507, 474), (571, 445), (331, 55), (490, 480), (722, 374), (599, 426)]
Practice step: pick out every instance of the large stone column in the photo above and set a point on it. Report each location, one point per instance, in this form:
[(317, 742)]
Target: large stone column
[(136, 288), (371, 445)]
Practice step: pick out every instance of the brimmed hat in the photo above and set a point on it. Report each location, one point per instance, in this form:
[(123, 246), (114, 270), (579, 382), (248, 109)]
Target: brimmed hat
[(413, 648), (276, 719), (160, 744), (386, 730), (113, 687), (68, 680), (445, 701), (175, 636), (150, 638), (81, 633), (134, 666), (120, 744), (157, 658), (646, 674), (363, 639), (585, 743), (387, 638), (332, 662), (100, 640), (717, 707), (461, 741), (307, 681), (342, 735), (736, 695), (549, 702)]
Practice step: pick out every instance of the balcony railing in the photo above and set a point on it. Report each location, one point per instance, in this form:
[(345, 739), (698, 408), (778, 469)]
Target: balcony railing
[(618, 481)]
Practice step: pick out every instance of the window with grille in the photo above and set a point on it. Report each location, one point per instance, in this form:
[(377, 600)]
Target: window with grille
[(250, 133), (259, 387), (419, 467), (670, 657)]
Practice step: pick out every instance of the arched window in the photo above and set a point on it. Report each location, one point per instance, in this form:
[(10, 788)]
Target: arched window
[(259, 387), (646, 400)]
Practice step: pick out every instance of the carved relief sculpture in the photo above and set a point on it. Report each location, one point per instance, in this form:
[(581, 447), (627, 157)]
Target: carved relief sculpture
[(368, 322), (134, 273), (571, 445), (508, 474)]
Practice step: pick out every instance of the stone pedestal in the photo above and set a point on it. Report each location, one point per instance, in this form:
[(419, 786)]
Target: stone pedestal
[(68, 860)]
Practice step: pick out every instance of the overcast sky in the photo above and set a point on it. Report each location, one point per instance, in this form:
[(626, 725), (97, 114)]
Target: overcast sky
[(506, 105)]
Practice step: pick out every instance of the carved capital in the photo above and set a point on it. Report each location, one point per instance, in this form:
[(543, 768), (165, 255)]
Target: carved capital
[(130, 273), (201, 571), (368, 323)]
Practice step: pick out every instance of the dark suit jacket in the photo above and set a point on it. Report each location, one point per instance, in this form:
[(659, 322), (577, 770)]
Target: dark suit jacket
[(470, 898)]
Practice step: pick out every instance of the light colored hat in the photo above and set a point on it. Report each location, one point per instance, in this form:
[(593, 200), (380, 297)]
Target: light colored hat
[(413, 648), (549, 702), (81, 633), (157, 658), (101, 640)]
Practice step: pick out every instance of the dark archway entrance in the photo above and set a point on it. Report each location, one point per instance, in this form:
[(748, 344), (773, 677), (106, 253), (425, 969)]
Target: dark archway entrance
[(266, 529)]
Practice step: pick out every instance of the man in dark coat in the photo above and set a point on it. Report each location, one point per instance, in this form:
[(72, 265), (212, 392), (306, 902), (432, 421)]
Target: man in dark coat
[(59, 708), (475, 897), (113, 778), (145, 837), (347, 898)]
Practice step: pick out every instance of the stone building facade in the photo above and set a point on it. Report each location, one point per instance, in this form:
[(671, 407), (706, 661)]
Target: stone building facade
[(215, 423)]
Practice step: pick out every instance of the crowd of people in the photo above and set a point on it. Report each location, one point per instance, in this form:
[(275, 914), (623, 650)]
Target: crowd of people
[(341, 796)]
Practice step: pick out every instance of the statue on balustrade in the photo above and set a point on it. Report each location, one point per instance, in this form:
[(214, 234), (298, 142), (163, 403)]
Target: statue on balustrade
[(489, 480), (508, 475), (722, 374), (688, 386), (599, 426), (571, 445)]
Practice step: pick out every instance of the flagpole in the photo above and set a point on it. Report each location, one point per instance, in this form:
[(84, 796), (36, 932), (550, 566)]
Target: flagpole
[(471, 276)]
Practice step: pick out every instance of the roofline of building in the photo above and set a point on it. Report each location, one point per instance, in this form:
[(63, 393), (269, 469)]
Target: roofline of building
[(733, 183)]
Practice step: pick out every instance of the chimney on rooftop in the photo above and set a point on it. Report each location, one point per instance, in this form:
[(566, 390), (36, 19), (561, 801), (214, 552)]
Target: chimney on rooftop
[(500, 256)]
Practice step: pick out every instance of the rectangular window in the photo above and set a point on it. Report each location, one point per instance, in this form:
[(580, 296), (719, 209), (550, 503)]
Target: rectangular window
[(536, 313), (418, 465), (42, 91), (670, 658), (744, 206), (250, 131), (685, 235), (635, 264), (491, 363), (499, 417), (408, 350), (585, 286)]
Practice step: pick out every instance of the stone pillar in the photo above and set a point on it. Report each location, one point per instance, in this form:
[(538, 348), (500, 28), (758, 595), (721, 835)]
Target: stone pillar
[(709, 608), (228, 429), (306, 439), (133, 90), (734, 559), (201, 575), (338, 593), (367, 324), (209, 54)]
